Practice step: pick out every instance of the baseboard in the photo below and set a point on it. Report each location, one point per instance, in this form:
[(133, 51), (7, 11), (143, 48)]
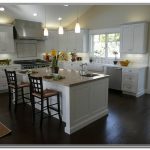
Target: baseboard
[(86, 122), (140, 93)]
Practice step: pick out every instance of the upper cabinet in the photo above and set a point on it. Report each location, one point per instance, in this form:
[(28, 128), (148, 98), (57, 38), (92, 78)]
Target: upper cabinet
[(6, 39), (72, 41), (69, 41), (134, 38)]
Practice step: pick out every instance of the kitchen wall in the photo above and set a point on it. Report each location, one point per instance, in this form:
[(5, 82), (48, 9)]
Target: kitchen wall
[(109, 16)]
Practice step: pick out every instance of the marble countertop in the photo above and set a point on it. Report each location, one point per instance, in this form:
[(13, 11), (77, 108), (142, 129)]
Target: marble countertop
[(72, 77), (129, 66)]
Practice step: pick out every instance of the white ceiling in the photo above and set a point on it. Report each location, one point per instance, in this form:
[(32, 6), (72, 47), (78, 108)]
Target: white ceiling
[(25, 12)]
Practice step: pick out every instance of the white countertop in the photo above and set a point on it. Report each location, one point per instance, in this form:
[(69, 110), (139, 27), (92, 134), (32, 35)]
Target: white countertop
[(72, 77), (129, 66)]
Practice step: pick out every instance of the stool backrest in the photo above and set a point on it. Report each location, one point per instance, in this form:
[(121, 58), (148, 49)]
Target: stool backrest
[(11, 77), (36, 85)]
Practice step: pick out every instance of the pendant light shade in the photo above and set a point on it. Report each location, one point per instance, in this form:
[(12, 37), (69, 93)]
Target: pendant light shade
[(45, 32), (60, 30), (45, 29), (77, 27)]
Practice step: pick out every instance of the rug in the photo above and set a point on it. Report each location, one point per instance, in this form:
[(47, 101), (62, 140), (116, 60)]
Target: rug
[(4, 130)]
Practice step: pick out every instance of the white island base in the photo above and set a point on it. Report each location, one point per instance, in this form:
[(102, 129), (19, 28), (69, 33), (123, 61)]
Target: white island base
[(82, 102)]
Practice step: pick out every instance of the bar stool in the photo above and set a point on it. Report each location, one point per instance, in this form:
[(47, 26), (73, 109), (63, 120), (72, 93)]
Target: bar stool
[(36, 90), (13, 88)]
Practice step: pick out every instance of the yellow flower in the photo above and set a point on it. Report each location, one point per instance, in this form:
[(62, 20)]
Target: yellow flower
[(53, 52)]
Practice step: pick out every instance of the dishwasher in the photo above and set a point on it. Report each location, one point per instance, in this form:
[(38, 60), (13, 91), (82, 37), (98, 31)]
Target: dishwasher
[(115, 79)]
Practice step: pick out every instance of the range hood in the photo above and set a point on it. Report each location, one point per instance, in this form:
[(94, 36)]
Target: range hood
[(28, 30)]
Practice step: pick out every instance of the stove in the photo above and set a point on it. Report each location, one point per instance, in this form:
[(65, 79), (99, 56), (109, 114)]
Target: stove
[(29, 64)]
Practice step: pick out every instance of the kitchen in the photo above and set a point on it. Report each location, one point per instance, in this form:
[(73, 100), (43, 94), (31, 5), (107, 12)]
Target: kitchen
[(123, 29)]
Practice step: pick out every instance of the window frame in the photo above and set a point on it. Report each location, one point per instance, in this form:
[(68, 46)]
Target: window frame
[(106, 32)]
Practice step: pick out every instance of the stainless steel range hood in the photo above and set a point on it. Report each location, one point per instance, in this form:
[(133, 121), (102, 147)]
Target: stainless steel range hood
[(28, 30)]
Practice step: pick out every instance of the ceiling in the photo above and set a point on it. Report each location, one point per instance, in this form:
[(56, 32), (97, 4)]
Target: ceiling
[(25, 12)]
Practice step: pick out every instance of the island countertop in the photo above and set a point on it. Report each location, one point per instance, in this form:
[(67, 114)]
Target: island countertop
[(72, 77)]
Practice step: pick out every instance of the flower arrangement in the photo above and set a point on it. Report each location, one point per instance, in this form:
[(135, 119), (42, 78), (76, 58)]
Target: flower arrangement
[(55, 57), (63, 56), (115, 53)]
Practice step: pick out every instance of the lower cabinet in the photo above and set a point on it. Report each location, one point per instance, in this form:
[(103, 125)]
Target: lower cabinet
[(133, 81)]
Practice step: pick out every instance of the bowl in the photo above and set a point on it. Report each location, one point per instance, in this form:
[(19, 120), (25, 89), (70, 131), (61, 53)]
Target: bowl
[(124, 63)]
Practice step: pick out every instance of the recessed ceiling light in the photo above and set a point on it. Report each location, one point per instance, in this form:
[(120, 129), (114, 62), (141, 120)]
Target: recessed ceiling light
[(59, 18), (2, 8), (35, 14), (66, 5)]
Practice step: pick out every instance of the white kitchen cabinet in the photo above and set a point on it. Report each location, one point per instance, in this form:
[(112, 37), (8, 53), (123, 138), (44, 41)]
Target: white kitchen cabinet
[(52, 41), (6, 39), (134, 38), (69, 41), (133, 81)]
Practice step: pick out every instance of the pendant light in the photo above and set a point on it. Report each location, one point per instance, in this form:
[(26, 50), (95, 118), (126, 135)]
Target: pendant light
[(45, 29), (60, 29), (77, 27)]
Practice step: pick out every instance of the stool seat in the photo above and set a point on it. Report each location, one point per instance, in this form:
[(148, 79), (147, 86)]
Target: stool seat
[(21, 85), (46, 93)]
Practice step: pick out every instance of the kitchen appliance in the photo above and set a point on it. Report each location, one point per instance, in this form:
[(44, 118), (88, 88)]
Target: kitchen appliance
[(34, 63), (28, 30), (115, 79)]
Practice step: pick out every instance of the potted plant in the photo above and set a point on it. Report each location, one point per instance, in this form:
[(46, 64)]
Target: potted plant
[(115, 53), (55, 58)]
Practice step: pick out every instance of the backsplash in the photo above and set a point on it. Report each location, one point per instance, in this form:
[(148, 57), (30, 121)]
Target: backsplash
[(136, 59)]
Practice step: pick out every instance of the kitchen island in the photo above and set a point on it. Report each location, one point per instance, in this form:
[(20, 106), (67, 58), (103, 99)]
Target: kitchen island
[(83, 99)]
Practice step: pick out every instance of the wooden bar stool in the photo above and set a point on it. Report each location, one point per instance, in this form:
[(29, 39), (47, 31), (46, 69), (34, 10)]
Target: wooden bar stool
[(13, 88), (36, 90)]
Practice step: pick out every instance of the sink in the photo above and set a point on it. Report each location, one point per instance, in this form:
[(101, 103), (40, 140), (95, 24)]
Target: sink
[(90, 75)]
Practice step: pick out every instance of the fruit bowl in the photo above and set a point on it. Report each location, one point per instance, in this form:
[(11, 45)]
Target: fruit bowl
[(124, 63)]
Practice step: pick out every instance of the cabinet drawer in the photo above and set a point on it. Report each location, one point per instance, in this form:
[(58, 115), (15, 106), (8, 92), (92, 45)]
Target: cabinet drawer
[(129, 70), (129, 88), (129, 77)]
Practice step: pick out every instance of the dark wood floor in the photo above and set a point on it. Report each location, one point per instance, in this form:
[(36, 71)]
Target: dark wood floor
[(128, 122)]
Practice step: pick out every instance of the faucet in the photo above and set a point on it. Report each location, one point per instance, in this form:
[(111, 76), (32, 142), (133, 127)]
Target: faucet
[(82, 71)]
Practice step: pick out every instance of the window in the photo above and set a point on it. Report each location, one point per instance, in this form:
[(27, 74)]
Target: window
[(103, 45)]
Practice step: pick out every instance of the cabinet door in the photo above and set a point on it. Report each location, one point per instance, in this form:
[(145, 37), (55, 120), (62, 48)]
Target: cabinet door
[(79, 42), (6, 39), (71, 41), (127, 38), (139, 38)]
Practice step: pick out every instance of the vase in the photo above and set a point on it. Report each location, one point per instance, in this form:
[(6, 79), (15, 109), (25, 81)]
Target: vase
[(115, 62), (55, 69)]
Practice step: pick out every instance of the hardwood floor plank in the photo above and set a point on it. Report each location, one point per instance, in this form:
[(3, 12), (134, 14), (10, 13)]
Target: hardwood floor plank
[(127, 123)]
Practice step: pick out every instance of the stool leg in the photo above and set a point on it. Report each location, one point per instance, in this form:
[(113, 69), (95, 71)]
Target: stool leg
[(22, 93), (58, 101), (33, 107), (16, 99), (41, 121), (9, 91), (48, 106)]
